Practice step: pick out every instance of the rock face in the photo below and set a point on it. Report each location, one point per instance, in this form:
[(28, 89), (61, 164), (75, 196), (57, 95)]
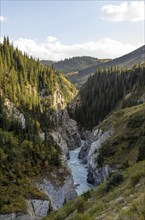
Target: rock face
[(58, 99), (89, 153), (98, 175), (35, 211), (59, 189), (65, 126), (12, 110), (59, 193), (84, 151), (61, 143), (89, 137), (38, 208), (68, 129)]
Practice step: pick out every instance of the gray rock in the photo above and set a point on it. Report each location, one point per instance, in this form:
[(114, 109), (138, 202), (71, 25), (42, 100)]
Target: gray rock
[(89, 153), (90, 178), (35, 211), (61, 143), (17, 216), (84, 151), (8, 216), (68, 129), (38, 208), (119, 200), (97, 174), (61, 193), (90, 137)]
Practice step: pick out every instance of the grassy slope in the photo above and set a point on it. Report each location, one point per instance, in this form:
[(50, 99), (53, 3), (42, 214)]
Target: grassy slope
[(126, 200), (129, 126)]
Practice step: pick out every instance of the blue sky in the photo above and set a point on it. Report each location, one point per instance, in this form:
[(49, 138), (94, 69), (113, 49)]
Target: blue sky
[(59, 29)]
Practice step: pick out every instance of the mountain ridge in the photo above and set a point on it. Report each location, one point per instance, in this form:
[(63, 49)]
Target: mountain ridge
[(36, 134), (33, 120), (114, 150), (126, 61), (74, 64), (71, 67)]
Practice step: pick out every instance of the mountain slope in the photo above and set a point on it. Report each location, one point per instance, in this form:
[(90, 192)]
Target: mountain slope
[(126, 61), (125, 200), (100, 94), (117, 160), (31, 97), (74, 64), (122, 194)]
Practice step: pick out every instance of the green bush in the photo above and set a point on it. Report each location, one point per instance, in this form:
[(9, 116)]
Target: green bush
[(79, 216), (80, 205), (134, 179), (87, 195), (141, 152), (114, 180), (136, 121)]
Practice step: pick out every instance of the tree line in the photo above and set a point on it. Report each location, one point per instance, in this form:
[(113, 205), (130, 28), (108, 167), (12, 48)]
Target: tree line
[(104, 90)]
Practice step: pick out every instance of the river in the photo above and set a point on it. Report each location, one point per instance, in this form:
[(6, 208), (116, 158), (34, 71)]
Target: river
[(79, 172)]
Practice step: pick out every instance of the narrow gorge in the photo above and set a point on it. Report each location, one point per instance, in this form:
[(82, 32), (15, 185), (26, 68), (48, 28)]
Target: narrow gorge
[(56, 142), (79, 171)]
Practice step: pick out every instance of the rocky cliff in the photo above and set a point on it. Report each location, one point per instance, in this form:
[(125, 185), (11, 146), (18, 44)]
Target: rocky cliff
[(89, 153), (68, 129), (60, 188), (65, 126)]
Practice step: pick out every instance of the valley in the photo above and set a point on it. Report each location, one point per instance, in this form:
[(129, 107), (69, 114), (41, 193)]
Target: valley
[(67, 154)]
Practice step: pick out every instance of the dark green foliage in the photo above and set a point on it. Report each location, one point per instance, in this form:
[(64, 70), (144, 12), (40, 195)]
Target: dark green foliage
[(80, 205), (87, 195), (134, 180), (30, 85), (107, 150), (103, 91), (136, 121), (114, 180), (141, 152), (27, 87)]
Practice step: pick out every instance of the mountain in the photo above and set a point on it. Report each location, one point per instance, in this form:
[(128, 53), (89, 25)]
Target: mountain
[(40, 113), (113, 150), (47, 62), (72, 65), (126, 61), (78, 69), (103, 90), (35, 133)]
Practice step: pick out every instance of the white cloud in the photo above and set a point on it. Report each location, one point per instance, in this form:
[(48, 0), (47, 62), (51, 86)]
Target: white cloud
[(53, 49), (2, 18), (126, 11)]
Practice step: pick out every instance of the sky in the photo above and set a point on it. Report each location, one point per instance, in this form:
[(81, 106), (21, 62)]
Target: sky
[(55, 30)]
